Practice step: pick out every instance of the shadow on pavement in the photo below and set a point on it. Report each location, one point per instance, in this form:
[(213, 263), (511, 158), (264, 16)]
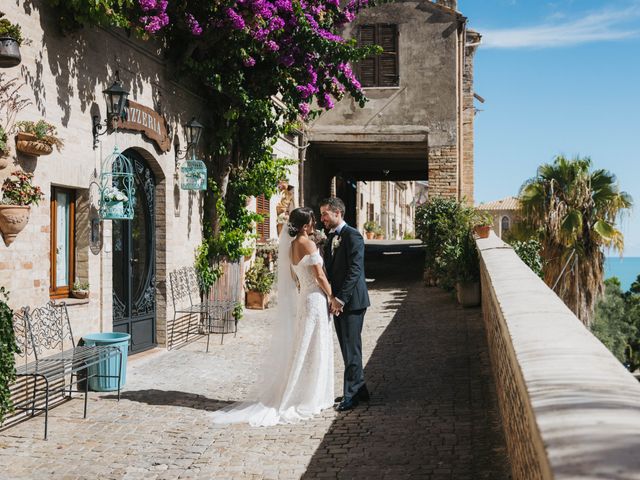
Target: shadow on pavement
[(171, 398)]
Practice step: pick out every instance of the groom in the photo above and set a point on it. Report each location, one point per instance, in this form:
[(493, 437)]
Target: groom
[(344, 259)]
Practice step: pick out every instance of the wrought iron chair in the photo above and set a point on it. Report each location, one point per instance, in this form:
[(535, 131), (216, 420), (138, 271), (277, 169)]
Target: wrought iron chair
[(44, 330), (185, 295)]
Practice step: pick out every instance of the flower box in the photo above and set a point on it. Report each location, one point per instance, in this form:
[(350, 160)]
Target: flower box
[(31, 145)]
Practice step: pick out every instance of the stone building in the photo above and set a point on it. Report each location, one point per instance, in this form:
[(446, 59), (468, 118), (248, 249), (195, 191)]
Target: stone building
[(418, 124), (125, 262), (391, 205), (504, 212)]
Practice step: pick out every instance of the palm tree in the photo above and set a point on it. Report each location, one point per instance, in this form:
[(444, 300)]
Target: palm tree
[(574, 211)]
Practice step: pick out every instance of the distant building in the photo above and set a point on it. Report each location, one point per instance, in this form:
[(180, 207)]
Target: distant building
[(389, 204), (504, 212)]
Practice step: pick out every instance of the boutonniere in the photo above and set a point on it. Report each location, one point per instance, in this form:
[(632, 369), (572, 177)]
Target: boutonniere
[(335, 243)]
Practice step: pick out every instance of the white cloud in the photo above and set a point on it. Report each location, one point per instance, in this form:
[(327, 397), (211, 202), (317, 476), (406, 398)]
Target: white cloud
[(594, 27)]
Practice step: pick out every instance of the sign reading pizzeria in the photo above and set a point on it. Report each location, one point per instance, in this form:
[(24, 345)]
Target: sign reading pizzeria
[(143, 119)]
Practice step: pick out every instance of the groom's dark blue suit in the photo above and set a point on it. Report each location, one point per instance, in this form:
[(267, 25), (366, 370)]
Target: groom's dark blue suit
[(345, 270)]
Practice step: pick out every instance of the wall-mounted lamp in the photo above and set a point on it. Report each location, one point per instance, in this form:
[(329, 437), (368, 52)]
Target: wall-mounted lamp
[(116, 98), (192, 133)]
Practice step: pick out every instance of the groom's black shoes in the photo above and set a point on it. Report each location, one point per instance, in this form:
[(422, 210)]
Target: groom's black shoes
[(362, 395), (346, 405)]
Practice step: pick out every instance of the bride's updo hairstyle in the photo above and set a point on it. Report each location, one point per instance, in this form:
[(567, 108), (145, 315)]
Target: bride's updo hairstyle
[(298, 218)]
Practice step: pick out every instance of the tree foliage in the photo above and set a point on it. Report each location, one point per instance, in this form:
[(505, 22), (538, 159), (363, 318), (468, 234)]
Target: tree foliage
[(574, 211), (617, 323)]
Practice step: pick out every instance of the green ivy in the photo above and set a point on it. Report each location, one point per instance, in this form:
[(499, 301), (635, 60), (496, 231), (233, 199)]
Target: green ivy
[(8, 348)]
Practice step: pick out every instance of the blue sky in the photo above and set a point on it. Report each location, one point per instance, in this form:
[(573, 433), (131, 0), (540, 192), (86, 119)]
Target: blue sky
[(558, 77)]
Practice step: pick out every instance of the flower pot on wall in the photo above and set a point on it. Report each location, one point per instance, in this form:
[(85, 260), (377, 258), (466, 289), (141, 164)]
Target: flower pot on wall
[(13, 219), (482, 231), (369, 235), (80, 293), (257, 300), (468, 293), (9, 52), (30, 144)]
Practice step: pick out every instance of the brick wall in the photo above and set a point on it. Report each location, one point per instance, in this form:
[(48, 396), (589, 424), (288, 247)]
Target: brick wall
[(443, 171)]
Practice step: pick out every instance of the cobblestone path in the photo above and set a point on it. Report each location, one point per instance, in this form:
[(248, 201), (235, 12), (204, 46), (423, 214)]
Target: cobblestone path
[(432, 415)]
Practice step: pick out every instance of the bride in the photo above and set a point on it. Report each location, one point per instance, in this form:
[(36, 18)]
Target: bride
[(296, 380)]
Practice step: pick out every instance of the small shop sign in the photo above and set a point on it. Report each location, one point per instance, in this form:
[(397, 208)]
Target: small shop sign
[(143, 119)]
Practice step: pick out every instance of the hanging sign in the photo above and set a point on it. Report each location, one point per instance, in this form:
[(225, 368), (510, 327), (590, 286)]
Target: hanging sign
[(143, 119)]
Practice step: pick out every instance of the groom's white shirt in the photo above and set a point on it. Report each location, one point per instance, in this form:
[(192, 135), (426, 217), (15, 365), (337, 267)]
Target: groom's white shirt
[(339, 228)]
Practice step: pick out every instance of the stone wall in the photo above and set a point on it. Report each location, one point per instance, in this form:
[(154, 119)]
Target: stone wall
[(570, 410)]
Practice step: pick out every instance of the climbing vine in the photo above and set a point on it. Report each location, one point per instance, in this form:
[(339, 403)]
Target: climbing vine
[(243, 53)]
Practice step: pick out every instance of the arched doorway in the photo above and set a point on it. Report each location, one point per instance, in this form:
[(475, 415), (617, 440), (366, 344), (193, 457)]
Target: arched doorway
[(134, 269)]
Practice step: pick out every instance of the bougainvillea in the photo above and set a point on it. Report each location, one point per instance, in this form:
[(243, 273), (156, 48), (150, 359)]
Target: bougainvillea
[(262, 65)]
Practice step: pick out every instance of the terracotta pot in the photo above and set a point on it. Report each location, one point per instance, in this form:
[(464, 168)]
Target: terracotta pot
[(468, 294), (13, 219), (30, 144), (369, 235), (257, 300), (379, 237), (80, 293), (9, 52), (482, 231)]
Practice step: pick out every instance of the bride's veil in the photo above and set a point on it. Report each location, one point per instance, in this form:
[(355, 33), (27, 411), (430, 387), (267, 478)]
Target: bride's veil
[(277, 357)]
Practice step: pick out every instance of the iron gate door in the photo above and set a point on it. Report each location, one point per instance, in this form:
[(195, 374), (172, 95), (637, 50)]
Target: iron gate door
[(134, 299)]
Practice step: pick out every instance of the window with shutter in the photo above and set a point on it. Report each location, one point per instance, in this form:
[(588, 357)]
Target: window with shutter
[(262, 208), (380, 70)]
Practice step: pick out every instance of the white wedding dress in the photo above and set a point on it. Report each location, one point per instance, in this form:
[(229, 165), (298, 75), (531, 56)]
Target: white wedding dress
[(296, 380)]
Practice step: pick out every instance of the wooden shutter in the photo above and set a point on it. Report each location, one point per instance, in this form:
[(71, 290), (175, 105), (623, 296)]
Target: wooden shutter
[(367, 66), (388, 59), (262, 208), (381, 70)]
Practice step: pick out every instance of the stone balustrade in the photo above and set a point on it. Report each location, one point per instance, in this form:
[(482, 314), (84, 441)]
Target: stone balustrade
[(570, 410)]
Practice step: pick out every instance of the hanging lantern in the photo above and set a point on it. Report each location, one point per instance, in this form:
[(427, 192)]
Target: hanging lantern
[(193, 175), (117, 187)]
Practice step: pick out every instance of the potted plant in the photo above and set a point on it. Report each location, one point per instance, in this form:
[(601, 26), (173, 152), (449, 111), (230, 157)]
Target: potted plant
[(37, 138), (80, 289), (258, 282), (379, 233), (4, 149), (18, 194), (113, 202), (482, 222), (10, 41), (370, 229), (460, 263)]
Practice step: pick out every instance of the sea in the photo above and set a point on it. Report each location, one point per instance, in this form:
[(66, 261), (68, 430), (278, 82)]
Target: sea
[(626, 269)]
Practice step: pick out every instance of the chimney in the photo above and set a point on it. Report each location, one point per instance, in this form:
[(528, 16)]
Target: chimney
[(453, 4)]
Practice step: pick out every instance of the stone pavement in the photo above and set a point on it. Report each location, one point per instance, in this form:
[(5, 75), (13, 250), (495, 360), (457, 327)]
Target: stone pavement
[(432, 415)]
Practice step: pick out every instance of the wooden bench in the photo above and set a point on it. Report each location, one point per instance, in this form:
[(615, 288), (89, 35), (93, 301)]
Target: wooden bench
[(53, 361), (213, 309)]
